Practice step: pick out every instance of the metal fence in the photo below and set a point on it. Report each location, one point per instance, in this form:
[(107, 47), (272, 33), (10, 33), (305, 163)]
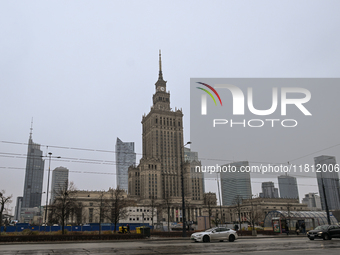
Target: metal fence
[(104, 227)]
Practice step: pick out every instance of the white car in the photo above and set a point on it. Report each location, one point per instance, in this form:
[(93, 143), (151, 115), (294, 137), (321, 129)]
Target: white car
[(215, 234)]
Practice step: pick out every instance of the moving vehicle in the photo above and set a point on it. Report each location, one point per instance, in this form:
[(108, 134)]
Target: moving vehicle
[(215, 234), (326, 232)]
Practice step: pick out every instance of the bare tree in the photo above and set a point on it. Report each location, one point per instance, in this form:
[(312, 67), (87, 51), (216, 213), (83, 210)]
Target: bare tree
[(64, 203), (116, 206), (101, 211), (153, 205), (216, 220), (238, 204), (254, 216), (209, 202), (3, 202)]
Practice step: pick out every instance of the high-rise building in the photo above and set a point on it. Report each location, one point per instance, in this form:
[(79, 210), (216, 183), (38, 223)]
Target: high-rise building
[(327, 176), (312, 200), (269, 191), (18, 208), (125, 157), (158, 175), (236, 184), (288, 187), (34, 175), (59, 180), (190, 155), (192, 158)]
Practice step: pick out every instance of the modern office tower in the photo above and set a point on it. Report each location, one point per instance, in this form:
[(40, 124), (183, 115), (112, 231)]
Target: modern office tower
[(192, 158), (125, 157), (269, 191), (34, 175), (327, 176), (312, 200), (18, 208), (59, 180), (159, 173), (190, 155), (288, 187), (235, 185)]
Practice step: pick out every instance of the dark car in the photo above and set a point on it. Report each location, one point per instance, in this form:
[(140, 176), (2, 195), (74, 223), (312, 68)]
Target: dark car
[(326, 232)]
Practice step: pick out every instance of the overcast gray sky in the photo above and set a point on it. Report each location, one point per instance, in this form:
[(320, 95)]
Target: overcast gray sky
[(85, 70)]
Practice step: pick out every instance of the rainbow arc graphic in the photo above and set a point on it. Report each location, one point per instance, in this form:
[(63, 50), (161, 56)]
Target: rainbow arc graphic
[(209, 93)]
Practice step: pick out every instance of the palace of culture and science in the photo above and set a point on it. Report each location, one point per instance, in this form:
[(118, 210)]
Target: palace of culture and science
[(158, 175)]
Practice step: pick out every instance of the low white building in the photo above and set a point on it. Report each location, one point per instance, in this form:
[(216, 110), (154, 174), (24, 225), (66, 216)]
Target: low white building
[(140, 214)]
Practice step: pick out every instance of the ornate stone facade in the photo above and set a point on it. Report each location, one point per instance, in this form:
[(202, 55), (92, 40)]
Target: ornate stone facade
[(257, 208), (158, 175)]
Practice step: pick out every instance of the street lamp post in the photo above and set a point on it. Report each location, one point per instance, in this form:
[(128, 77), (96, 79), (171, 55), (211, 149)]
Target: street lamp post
[(182, 184), (48, 184), (219, 194)]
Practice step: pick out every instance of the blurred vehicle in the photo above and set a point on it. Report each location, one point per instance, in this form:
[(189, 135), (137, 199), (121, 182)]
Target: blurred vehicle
[(215, 234), (326, 232)]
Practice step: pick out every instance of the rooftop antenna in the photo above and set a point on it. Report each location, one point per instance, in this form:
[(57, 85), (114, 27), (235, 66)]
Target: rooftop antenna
[(288, 167), (160, 76), (31, 129)]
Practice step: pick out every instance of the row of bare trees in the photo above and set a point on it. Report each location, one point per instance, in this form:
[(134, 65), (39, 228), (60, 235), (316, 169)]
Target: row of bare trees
[(253, 214), (65, 205)]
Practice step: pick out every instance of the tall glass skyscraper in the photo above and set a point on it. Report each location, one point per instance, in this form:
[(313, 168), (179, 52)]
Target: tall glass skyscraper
[(235, 184), (330, 179), (125, 157), (288, 187), (269, 190), (34, 175), (59, 180)]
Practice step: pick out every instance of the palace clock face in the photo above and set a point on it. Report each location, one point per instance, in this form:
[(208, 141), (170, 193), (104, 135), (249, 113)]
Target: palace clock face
[(162, 88)]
